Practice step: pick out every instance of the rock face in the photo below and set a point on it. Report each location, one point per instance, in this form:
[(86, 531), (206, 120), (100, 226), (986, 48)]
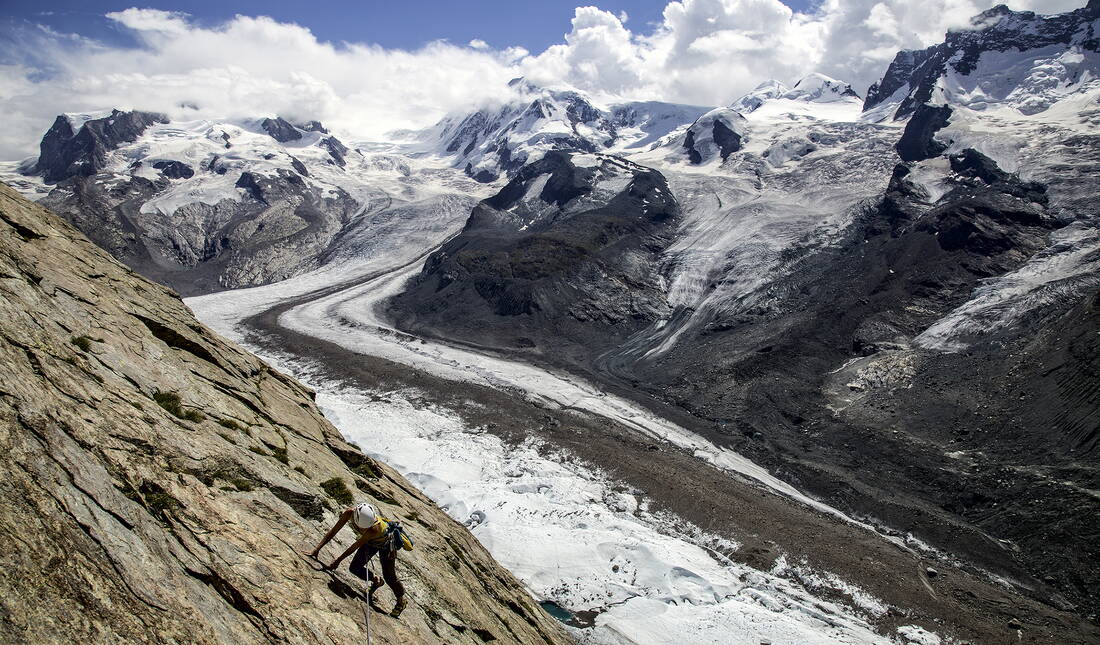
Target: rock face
[(1002, 34), (567, 250), (82, 152), (280, 130), (160, 484), (918, 140)]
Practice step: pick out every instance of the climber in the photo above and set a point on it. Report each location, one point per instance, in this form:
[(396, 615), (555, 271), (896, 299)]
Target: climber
[(376, 535)]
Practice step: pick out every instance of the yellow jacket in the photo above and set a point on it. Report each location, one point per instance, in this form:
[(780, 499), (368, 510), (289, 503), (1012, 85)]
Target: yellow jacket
[(376, 534)]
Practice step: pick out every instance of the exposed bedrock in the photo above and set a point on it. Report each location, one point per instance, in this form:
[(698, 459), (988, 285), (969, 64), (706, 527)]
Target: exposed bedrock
[(556, 254), (159, 485), (918, 140), (65, 152)]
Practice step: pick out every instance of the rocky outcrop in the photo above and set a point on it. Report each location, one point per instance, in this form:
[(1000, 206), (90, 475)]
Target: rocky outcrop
[(158, 484), (280, 130), (336, 149), (999, 29), (568, 249), (715, 135), (67, 153), (174, 169), (314, 126), (918, 140)]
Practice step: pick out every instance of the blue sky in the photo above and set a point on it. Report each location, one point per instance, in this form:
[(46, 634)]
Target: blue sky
[(531, 24)]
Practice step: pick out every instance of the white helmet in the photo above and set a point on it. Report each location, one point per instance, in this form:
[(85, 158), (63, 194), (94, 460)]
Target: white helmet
[(364, 515)]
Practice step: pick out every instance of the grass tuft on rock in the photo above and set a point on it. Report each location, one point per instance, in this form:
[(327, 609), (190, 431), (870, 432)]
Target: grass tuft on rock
[(338, 490), (230, 424), (159, 503), (365, 470), (170, 401), (280, 455), (242, 484), (83, 342)]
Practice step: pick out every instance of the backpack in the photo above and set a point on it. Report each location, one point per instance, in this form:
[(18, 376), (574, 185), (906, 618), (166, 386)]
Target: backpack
[(397, 538)]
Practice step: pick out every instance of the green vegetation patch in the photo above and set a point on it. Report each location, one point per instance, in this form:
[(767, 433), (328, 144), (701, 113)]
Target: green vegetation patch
[(83, 342), (159, 503), (242, 484), (280, 455), (338, 490), (365, 470), (170, 401)]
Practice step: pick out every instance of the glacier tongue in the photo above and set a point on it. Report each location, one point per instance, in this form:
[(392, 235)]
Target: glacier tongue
[(573, 536)]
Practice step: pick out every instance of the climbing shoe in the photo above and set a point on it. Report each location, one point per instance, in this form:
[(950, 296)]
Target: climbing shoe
[(374, 585), (399, 607)]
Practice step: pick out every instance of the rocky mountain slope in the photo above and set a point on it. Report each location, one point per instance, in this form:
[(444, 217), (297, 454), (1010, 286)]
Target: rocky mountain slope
[(570, 244), (209, 205), (1021, 59), (160, 484), (901, 321)]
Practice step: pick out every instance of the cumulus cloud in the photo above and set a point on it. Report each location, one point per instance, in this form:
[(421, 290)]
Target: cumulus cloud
[(706, 52), (710, 52), (246, 67)]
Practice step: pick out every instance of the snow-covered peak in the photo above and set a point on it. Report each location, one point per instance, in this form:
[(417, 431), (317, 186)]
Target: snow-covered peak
[(1017, 60), (202, 161), (814, 89), (769, 89), (496, 141), (820, 88), (714, 136)]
